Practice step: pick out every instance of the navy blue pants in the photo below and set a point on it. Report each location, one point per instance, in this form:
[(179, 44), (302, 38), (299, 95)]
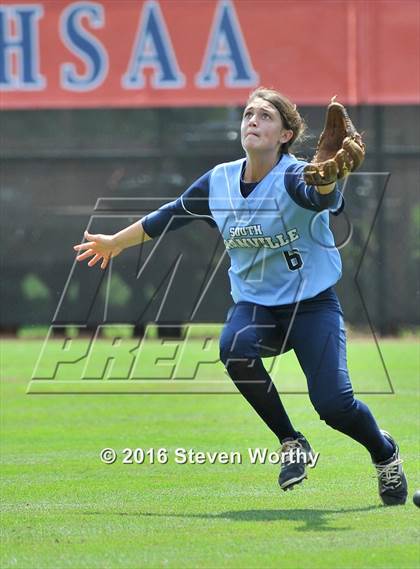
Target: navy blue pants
[(314, 329)]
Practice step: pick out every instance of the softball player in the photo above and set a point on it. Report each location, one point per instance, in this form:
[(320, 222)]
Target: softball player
[(284, 266)]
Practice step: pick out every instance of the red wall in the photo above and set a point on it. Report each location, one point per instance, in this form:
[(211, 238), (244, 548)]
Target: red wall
[(364, 52)]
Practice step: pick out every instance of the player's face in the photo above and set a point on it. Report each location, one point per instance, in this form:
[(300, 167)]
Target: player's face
[(262, 127)]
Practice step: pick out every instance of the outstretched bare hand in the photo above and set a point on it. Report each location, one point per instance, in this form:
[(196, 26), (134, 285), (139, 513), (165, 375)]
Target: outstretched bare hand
[(99, 247)]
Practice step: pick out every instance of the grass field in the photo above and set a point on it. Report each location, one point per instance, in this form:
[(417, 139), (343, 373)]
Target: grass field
[(63, 508)]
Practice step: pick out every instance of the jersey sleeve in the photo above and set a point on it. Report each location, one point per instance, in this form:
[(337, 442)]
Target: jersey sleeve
[(192, 204), (307, 196)]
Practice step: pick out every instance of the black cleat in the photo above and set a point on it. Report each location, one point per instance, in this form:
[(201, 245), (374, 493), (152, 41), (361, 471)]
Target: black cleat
[(392, 483), (295, 455)]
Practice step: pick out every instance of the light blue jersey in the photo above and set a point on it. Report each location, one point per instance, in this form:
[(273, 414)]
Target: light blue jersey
[(280, 252)]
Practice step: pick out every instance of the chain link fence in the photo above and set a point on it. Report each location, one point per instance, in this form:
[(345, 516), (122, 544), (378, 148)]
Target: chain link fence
[(56, 164)]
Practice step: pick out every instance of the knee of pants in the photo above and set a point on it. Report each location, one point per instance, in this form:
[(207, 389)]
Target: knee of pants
[(238, 346), (330, 409)]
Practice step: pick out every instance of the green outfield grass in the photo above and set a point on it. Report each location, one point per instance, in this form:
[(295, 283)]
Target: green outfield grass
[(63, 508)]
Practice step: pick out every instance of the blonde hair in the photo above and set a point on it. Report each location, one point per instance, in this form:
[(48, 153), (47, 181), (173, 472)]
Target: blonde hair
[(288, 112)]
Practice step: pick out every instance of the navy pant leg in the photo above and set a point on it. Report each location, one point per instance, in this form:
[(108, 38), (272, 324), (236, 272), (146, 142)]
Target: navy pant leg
[(249, 333), (318, 338)]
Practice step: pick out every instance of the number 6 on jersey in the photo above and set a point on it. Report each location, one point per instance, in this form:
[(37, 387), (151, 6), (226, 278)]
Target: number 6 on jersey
[(293, 259)]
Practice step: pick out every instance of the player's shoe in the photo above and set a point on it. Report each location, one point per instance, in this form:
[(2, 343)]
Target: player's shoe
[(392, 483), (296, 454)]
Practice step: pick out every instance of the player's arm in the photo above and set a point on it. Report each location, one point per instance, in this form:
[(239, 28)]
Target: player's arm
[(312, 197), (191, 205)]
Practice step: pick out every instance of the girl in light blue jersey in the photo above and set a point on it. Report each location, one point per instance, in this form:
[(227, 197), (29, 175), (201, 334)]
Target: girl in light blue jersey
[(284, 266)]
